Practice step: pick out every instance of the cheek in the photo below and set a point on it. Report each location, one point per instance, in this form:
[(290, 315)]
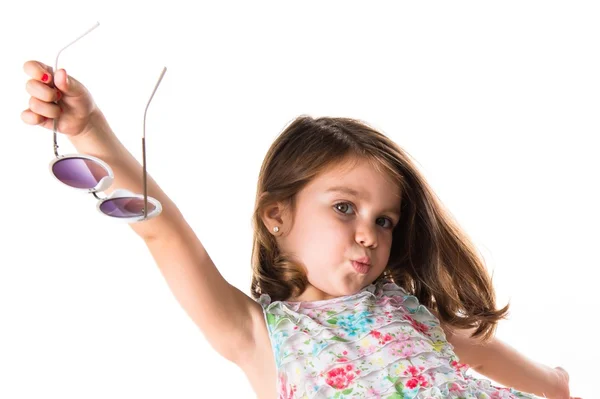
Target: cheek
[(319, 234), (386, 240), (385, 247), (315, 236)]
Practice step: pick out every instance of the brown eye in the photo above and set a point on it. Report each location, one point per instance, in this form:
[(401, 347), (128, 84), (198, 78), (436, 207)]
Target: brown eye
[(342, 207), (389, 225)]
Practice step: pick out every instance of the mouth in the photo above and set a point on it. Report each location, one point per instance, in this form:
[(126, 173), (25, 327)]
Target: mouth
[(365, 259), (360, 267)]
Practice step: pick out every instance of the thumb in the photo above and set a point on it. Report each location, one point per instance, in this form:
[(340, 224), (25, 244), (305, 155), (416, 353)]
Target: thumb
[(67, 84)]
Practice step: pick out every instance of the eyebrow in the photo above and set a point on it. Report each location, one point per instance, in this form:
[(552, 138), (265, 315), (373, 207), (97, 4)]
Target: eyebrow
[(343, 189), (354, 193)]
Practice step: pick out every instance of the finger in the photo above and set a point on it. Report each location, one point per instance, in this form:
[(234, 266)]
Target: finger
[(68, 85), (42, 91), (31, 118), (38, 71), (49, 110)]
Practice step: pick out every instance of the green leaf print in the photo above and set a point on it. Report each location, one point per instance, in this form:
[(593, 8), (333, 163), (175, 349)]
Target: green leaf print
[(347, 391), (271, 319), (338, 339), (399, 387), (330, 312), (333, 320), (396, 396)]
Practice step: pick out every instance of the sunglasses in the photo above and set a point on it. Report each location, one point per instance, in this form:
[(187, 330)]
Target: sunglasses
[(85, 172)]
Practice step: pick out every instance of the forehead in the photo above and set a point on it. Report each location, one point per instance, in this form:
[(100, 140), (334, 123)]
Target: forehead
[(360, 176)]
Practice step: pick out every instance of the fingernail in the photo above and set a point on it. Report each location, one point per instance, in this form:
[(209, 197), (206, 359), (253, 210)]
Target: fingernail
[(45, 77), (58, 95)]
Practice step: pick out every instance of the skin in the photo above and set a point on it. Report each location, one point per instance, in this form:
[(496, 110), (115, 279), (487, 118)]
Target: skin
[(329, 229), (322, 238)]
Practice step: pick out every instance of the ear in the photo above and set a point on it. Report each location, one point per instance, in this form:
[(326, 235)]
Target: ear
[(276, 215)]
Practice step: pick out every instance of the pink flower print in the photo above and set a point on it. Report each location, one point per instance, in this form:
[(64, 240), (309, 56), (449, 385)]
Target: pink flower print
[(412, 383), (367, 351), (423, 328), (396, 301), (373, 393), (402, 348), (502, 393), (413, 370), (418, 379), (455, 388), (460, 368), (382, 301), (342, 358), (383, 338), (341, 377), (402, 336), (286, 392)]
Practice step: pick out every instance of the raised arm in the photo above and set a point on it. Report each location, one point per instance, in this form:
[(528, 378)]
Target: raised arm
[(505, 365), (224, 314)]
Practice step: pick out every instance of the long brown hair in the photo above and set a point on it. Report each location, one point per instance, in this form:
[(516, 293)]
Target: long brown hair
[(431, 257)]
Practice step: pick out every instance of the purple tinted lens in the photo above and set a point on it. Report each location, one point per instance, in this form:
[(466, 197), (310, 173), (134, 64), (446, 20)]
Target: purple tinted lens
[(125, 207), (79, 172)]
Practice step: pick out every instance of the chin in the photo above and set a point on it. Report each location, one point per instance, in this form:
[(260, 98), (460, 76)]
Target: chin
[(353, 287)]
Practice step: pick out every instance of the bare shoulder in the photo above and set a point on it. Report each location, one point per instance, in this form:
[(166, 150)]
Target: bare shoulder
[(466, 348), (458, 338)]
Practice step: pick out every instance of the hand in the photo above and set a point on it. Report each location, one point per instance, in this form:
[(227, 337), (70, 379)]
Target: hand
[(562, 385), (57, 96)]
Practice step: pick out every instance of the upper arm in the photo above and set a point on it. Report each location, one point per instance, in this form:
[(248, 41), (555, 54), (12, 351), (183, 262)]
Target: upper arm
[(226, 316), (469, 350)]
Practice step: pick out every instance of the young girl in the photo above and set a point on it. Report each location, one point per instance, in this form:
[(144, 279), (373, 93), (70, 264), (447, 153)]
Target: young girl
[(363, 285)]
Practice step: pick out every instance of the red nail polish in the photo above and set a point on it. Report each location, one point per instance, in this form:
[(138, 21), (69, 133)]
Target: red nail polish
[(45, 77), (60, 109), (58, 95)]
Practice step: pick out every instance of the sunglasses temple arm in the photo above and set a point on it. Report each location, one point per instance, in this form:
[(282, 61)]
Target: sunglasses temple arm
[(144, 178), (144, 174), (55, 123)]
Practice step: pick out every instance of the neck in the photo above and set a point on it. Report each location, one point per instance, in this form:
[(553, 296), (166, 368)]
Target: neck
[(311, 294)]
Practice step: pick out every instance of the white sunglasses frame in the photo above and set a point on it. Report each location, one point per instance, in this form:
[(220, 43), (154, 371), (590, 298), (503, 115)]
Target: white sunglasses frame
[(107, 181)]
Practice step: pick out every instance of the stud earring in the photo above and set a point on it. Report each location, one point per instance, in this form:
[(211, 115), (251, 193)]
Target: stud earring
[(276, 229)]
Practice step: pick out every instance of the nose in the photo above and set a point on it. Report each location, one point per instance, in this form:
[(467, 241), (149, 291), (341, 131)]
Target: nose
[(366, 235)]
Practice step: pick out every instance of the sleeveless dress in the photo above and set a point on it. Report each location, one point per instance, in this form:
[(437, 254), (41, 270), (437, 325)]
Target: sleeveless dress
[(379, 343)]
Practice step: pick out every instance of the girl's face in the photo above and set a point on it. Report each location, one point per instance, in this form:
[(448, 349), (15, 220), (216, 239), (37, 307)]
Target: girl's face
[(342, 229)]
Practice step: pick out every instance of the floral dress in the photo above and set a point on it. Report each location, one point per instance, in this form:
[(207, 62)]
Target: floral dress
[(379, 343)]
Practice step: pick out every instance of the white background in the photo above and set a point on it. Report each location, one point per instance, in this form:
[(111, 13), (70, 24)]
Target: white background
[(497, 102)]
